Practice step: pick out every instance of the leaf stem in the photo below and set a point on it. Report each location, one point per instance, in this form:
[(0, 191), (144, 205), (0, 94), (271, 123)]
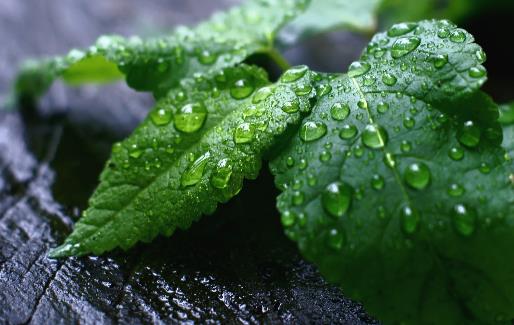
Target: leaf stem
[(278, 58)]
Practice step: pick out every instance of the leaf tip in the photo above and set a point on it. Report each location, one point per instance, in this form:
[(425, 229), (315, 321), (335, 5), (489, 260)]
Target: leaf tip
[(65, 250)]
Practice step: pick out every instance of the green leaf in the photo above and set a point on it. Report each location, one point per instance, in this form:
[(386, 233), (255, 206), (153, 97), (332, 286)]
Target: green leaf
[(193, 151), (325, 15), (160, 63), (507, 120), (396, 185)]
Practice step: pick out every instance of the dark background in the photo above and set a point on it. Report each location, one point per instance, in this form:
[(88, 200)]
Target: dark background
[(233, 267)]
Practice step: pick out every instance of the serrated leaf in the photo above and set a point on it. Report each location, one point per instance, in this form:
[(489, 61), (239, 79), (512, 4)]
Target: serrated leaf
[(160, 63), (193, 151), (403, 198), (322, 16)]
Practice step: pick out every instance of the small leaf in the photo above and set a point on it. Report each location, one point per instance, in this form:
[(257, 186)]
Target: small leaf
[(322, 16), (194, 150), (160, 63), (405, 200)]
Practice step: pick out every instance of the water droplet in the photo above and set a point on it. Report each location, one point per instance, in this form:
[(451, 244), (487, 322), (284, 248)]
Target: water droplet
[(401, 29), (195, 172), (456, 153), (377, 182), (241, 89), (335, 239), (134, 151), (374, 136), (457, 36), (288, 218), (484, 168), (382, 107), (464, 220), (362, 103), (381, 212), (404, 46), (348, 131), (290, 161), (207, 57), (477, 72), (291, 106), (417, 175), (302, 90), (389, 79), (311, 130), (325, 156), (222, 173), (190, 117), (405, 146), (410, 219), (358, 68), (455, 190), (390, 160), (244, 133), (294, 73), (481, 56), (261, 94), (469, 134), (336, 198), (409, 122), (323, 90), (297, 198), (161, 116), (443, 32), (339, 111), (440, 61)]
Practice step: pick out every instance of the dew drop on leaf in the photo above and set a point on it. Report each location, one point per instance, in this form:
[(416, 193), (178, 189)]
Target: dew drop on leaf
[(161, 116), (339, 111), (302, 90), (261, 94), (464, 220), (335, 239), (297, 198), (469, 134), (294, 73), (291, 106), (190, 117), (362, 104), (401, 29), (241, 89), (410, 219), (382, 107), (221, 175), (311, 131), (377, 182), (389, 79), (409, 122), (457, 36), (440, 61), (477, 72), (195, 171), (336, 198), (134, 151), (455, 190), (456, 153), (244, 133), (404, 46), (417, 175), (348, 131), (358, 68), (207, 57), (374, 136), (405, 146), (484, 168), (288, 218)]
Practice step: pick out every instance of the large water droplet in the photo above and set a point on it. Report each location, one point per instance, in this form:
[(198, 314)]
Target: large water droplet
[(348, 131), (190, 117), (457, 36), (339, 111), (410, 219), (221, 175), (241, 89), (456, 153), (311, 130), (382, 107), (135, 151), (161, 116), (401, 29), (302, 90), (294, 73), (336, 198), (404, 46), (464, 220), (297, 198), (417, 175), (477, 72), (358, 68), (262, 94), (374, 136), (195, 172), (207, 57), (288, 218), (440, 60), (244, 133), (291, 106), (469, 134), (389, 79)]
